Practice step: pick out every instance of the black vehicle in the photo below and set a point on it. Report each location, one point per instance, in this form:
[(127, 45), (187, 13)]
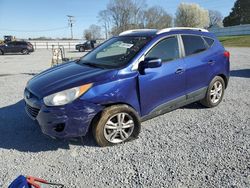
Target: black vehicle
[(88, 45), (16, 47)]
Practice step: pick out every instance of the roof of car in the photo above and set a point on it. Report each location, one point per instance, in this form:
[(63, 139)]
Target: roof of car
[(173, 30)]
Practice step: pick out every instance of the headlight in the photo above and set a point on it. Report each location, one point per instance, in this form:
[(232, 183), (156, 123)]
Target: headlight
[(66, 96)]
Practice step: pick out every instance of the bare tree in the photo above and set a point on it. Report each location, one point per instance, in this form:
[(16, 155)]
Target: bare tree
[(104, 18), (87, 34), (93, 32), (215, 18), (191, 15), (157, 17), (96, 31), (125, 14)]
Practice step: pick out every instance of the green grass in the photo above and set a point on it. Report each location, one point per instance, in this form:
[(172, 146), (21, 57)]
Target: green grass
[(236, 41)]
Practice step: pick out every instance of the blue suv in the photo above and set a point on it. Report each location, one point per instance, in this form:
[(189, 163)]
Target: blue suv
[(130, 78)]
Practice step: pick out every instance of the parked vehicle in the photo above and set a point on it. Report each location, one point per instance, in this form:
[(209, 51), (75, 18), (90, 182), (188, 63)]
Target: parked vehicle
[(88, 45), (16, 47), (130, 78)]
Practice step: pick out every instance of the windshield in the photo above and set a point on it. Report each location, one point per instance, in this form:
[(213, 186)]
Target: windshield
[(115, 52)]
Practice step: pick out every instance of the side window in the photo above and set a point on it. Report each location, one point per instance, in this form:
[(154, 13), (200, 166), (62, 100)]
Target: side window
[(193, 44), (209, 41), (11, 43), (166, 49)]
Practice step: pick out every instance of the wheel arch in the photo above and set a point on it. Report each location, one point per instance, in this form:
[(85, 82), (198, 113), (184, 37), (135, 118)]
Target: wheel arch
[(224, 78), (97, 116)]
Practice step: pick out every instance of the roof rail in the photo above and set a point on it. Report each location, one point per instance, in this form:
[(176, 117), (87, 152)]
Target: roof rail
[(136, 30), (180, 28)]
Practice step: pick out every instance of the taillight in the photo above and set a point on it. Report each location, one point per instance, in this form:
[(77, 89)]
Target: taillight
[(227, 54)]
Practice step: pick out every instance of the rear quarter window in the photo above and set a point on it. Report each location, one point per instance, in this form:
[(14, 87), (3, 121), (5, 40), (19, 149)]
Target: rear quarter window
[(193, 44), (209, 41)]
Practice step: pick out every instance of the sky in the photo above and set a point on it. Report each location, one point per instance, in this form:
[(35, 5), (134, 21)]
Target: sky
[(35, 18)]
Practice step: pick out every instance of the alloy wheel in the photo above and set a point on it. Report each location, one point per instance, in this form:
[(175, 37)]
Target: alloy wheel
[(216, 92), (118, 128)]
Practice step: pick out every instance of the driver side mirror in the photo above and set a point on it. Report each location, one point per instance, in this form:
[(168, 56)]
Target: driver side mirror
[(150, 62)]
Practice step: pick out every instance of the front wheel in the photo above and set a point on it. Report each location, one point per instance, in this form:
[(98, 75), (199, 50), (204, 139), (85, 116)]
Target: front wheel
[(215, 92), (117, 124), (81, 49), (1, 52)]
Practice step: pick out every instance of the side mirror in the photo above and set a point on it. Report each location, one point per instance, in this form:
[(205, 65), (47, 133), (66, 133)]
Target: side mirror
[(151, 62)]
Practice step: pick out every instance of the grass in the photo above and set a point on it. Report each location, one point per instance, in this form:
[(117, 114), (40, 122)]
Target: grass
[(236, 41)]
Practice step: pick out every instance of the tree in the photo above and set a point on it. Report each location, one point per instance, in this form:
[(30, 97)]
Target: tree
[(240, 14), (157, 17), (191, 15), (125, 14), (104, 18), (93, 32), (215, 18), (87, 34), (96, 31)]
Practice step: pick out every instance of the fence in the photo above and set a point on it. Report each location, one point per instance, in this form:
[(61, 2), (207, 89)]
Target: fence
[(232, 30), (48, 44)]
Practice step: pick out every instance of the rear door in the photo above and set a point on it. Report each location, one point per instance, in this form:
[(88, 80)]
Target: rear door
[(199, 61), (20, 46), (160, 85)]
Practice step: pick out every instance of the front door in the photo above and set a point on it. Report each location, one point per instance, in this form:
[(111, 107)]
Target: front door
[(158, 86)]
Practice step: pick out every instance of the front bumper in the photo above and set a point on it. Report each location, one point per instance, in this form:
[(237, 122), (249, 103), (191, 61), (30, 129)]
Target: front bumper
[(71, 120)]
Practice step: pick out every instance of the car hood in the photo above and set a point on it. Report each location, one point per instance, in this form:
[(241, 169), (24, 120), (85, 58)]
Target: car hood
[(66, 76)]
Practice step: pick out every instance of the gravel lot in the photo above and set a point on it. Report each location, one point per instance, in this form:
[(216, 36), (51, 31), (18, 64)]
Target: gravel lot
[(189, 147)]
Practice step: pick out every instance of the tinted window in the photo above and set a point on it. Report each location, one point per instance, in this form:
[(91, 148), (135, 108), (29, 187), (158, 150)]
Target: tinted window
[(193, 44), (209, 41), (21, 43), (167, 49)]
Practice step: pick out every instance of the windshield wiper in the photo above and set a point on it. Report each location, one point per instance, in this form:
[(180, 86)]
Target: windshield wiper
[(92, 65)]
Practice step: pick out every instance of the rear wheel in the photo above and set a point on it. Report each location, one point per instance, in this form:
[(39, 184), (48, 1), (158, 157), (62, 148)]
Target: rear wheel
[(117, 124), (215, 92), (25, 51), (1, 52)]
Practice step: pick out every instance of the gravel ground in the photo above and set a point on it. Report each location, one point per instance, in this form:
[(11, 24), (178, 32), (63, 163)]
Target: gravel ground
[(189, 147)]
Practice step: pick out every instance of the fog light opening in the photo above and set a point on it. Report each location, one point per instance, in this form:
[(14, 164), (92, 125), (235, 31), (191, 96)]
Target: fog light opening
[(59, 127)]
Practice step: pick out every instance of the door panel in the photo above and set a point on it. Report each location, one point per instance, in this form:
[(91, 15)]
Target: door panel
[(199, 61), (9, 47), (160, 85)]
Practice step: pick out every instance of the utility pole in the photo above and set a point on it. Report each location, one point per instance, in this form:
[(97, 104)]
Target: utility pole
[(71, 21)]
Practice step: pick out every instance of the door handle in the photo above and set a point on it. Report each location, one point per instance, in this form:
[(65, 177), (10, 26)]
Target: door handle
[(179, 71)]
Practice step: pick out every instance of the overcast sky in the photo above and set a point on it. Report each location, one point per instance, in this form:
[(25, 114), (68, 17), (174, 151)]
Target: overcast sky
[(31, 18)]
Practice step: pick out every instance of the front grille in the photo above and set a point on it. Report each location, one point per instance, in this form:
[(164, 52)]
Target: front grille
[(33, 112)]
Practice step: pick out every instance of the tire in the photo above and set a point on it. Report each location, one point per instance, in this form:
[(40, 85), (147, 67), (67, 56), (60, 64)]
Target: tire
[(215, 92), (81, 49), (1, 52), (112, 133), (25, 51)]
